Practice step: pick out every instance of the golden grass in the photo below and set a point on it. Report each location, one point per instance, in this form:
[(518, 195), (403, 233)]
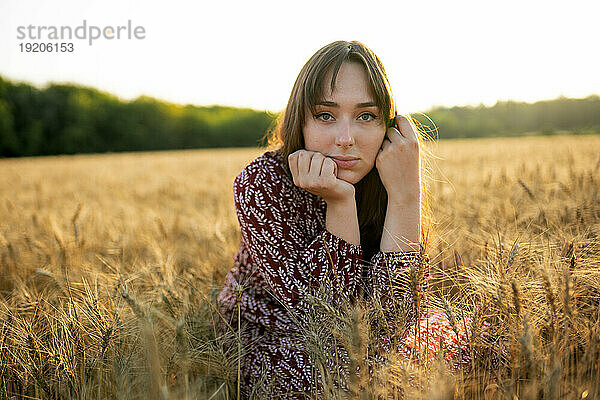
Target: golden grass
[(109, 265)]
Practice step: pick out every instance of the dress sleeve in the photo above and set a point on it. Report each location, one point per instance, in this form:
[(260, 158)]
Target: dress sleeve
[(398, 282), (289, 262)]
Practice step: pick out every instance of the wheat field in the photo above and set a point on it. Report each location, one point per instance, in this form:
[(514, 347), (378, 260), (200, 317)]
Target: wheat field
[(110, 264)]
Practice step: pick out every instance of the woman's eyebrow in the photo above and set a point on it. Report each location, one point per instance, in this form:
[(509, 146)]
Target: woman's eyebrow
[(359, 105)]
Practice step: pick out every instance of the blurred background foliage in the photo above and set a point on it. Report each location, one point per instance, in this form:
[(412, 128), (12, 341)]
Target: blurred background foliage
[(68, 119)]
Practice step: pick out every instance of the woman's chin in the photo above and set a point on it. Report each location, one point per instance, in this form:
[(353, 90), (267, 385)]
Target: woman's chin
[(348, 176)]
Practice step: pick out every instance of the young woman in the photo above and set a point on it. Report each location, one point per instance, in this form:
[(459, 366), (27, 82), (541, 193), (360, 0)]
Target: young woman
[(337, 204)]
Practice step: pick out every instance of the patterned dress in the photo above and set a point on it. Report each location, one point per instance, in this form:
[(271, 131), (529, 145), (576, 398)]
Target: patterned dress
[(285, 251)]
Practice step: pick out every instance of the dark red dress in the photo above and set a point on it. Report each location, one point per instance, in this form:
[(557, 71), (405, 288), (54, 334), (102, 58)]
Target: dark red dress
[(285, 251)]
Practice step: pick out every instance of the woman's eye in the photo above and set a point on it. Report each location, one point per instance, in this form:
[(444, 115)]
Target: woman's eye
[(363, 117), (367, 115), (323, 115)]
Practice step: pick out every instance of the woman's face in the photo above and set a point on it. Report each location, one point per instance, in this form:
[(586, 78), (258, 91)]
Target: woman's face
[(347, 123)]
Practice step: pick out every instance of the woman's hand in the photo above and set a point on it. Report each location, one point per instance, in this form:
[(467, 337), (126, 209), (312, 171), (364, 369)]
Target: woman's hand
[(398, 163), (317, 174)]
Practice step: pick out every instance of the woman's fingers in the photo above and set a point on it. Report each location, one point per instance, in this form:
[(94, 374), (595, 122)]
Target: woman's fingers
[(329, 167), (293, 163), (304, 160), (386, 142), (316, 164), (403, 130), (308, 166), (395, 128), (406, 128), (393, 133)]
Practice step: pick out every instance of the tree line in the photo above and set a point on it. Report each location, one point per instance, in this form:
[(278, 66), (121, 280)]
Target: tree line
[(68, 119), (511, 118)]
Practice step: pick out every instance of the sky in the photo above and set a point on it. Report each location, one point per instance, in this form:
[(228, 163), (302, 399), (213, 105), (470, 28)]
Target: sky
[(249, 53)]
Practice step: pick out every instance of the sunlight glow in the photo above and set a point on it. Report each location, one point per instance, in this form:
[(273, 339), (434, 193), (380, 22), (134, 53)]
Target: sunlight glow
[(248, 54)]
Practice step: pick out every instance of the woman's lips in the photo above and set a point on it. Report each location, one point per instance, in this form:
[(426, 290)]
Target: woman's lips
[(345, 163)]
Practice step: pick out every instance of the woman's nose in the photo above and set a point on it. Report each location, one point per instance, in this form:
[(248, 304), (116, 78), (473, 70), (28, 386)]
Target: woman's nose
[(345, 137)]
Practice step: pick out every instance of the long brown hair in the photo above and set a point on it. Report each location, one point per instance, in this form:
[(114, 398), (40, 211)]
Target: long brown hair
[(286, 136)]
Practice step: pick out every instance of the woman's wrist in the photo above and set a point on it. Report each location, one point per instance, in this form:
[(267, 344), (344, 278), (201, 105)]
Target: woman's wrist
[(406, 193), (342, 220), (404, 200), (402, 227)]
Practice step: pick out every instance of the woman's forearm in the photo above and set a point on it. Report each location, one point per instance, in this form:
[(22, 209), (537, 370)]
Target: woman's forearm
[(402, 227), (342, 220)]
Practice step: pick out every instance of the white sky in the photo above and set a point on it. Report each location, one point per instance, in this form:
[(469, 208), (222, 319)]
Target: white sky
[(248, 53)]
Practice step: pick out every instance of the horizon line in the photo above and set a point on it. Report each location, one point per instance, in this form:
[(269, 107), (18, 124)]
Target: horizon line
[(49, 83)]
